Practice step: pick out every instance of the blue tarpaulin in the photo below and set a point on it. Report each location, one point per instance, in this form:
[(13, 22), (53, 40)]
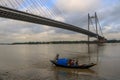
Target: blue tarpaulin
[(62, 61)]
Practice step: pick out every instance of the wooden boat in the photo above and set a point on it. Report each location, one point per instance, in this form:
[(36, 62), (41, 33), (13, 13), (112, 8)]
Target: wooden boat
[(83, 66)]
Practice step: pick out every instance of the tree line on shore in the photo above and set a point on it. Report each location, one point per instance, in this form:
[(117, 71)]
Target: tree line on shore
[(65, 42)]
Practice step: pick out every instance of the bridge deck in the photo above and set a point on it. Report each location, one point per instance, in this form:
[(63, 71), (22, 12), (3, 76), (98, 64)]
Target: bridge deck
[(23, 16)]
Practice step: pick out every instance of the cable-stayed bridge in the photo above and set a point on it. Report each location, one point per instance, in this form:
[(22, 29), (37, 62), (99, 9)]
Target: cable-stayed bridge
[(8, 10)]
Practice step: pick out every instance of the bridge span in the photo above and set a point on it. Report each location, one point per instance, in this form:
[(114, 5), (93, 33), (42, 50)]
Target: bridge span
[(23, 16)]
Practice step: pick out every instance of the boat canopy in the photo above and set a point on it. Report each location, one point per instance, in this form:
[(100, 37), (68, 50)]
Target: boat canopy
[(63, 61)]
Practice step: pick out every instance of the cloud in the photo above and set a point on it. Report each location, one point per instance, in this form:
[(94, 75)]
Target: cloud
[(109, 17), (77, 5), (69, 11), (108, 14), (109, 29), (12, 3)]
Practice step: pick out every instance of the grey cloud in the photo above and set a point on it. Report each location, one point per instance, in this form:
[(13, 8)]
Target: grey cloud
[(113, 29), (17, 27), (107, 16), (110, 15)]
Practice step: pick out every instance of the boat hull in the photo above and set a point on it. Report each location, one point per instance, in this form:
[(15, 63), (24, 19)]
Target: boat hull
[(83, 66)]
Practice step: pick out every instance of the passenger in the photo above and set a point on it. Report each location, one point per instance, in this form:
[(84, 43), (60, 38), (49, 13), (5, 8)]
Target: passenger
[(72, 62), (76, 63), (69, 62)]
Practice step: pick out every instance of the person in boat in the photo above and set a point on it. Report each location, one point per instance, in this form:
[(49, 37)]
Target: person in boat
[(73, 62), (70, 62), (57, 57), (76, 62)]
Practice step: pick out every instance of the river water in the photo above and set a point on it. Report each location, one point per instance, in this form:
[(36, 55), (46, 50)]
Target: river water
[(31, 62)]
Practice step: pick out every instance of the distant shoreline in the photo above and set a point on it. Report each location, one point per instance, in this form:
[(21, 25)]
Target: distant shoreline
[(60, 42)]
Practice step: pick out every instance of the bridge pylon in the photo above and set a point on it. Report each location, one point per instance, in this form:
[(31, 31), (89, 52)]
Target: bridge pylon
[(100, 39)]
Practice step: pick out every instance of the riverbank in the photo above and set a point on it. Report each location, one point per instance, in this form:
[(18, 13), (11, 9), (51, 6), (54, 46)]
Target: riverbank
[(60, 42)]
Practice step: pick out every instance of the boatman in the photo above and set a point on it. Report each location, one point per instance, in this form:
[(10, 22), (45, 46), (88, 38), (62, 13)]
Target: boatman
[(57, 57)]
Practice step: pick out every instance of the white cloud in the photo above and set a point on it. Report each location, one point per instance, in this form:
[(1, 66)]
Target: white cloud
[(112, 35), (46, 27), (78, 5), (59, 18), (107, 29)]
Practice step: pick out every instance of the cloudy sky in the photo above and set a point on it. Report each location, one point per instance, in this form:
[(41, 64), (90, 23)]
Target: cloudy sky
[(70, 11)]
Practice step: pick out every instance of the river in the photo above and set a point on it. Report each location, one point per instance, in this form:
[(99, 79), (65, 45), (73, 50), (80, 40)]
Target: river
[(31, 62)]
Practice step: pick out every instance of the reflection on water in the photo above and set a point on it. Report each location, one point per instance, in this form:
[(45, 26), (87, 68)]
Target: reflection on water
[(31, 62), (76, 75), (43, 74), (74, 71)]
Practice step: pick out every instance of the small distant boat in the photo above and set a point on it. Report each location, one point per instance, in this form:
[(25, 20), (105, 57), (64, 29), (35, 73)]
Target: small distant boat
[(64, 64)]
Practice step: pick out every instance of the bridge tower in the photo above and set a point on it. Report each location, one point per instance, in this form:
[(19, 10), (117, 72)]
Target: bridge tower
[(100, 39), (97, 26)]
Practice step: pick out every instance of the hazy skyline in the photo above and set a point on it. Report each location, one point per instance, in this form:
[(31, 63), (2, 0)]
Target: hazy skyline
[(72, 11)]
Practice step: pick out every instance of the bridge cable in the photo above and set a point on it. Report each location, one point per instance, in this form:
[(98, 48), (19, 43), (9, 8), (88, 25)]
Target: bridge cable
[(5, 3), (37, 7), (44, 7), (35, 3), (92, 24), (58, 10), (53, 14), (37, 10), (15, 3), (2, 3), (33, 6), (47, 8), (100, 27), (29, 8), (13, 6), (9, 3), (19, 3)]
